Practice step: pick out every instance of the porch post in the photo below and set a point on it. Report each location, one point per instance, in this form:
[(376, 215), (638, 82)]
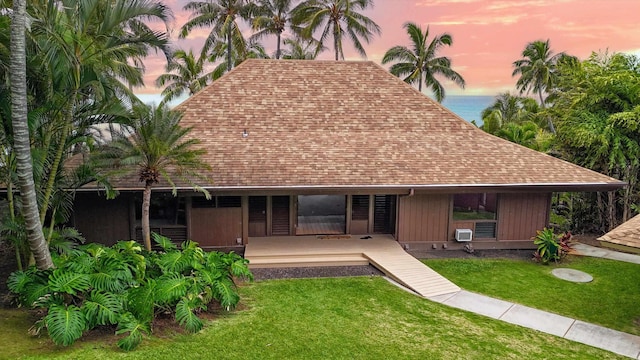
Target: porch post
[(132, 217), (187, 214), (372, 204), (293, 214), (269, 217), (348, 211)]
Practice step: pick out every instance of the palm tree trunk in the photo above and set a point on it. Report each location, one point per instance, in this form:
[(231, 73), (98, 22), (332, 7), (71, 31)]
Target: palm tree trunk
[(146, 202), (278, 47), (22, 145), (543, 105), (53, 174), (601, 210), (611, 210), (229, 49), (335, 45)]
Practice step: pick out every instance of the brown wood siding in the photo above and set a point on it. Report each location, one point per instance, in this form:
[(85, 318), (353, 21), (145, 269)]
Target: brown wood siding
[(216, 226), (423, 218), (101, 220), (521, 215)]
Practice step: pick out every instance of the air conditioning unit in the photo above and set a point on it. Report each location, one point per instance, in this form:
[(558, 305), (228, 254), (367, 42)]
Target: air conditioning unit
[(464, 235)]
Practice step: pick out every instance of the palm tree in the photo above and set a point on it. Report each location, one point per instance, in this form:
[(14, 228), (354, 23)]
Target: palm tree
[(508, 109), (271, 18), (155, 147), (421, 63), (89, 47), (221, 15), (337, 18), (301, 49), (22, 145), (250, 50), (537, 70), (185, 73), (523, 134)]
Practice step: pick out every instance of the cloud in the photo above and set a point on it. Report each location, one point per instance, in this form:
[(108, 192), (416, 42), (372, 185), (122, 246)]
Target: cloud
[(472, 19)]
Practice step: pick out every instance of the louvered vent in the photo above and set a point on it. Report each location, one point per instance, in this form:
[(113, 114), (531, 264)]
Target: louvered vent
[(280, 215), (485, 230), (360, 207), (229, 201), (177, 234), (384, 215)]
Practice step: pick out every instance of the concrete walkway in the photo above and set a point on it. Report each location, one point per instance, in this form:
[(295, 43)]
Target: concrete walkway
[(590, 334), (568, 328), (588, 250)]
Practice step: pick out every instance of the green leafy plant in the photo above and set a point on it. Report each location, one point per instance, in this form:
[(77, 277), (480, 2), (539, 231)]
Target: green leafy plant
[(551, 247), (125, 287)]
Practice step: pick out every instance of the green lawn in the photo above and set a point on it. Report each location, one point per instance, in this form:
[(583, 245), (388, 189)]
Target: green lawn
[(342, 318), (611, 300)]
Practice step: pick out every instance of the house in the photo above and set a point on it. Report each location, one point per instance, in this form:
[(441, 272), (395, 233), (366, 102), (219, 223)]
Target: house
[(331, 148), (625, 237)]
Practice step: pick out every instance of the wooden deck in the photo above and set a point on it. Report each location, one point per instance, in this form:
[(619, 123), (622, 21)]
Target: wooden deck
[(381, 251), (310, 225)]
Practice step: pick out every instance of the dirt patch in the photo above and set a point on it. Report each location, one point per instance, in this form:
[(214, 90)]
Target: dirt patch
[(588, 239)]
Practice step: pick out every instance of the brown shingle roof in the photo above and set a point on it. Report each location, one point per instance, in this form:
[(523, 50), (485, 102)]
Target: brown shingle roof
[(627, 234), (352, 124)]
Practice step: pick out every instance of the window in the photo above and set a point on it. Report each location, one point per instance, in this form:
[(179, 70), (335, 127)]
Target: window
[(474, 206), (199, 202), (165, 209)]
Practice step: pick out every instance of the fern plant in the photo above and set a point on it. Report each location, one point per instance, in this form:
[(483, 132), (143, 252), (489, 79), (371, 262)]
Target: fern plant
[(125, 287)]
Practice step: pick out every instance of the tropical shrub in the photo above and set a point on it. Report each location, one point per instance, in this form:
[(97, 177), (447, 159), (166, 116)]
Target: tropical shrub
[(551, 247), (125, 287)]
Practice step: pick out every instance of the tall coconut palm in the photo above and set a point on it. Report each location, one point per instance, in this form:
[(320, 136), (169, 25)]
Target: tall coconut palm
[(185, 73), (272, 17), (337, 19), (221, 16), (155, 147), (537, 71), (421, 64), (250, 50), (22, 145)]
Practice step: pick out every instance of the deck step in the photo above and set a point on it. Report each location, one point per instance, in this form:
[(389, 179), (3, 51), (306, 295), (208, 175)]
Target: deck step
[(314, 260)]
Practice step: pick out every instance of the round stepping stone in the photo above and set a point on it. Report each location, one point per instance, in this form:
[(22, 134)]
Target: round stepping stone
[(572, 275)]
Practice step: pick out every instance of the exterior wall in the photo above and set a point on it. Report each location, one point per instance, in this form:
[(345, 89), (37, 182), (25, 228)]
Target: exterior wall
[(101, 220), (425, 221), (212, 227), (423, 218), (521, 215)]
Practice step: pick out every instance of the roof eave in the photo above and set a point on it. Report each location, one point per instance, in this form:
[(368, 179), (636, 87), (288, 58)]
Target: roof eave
[(402, 188)]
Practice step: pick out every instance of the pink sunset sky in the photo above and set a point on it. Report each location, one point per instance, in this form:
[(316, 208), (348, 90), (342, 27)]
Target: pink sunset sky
[(488, 35)]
